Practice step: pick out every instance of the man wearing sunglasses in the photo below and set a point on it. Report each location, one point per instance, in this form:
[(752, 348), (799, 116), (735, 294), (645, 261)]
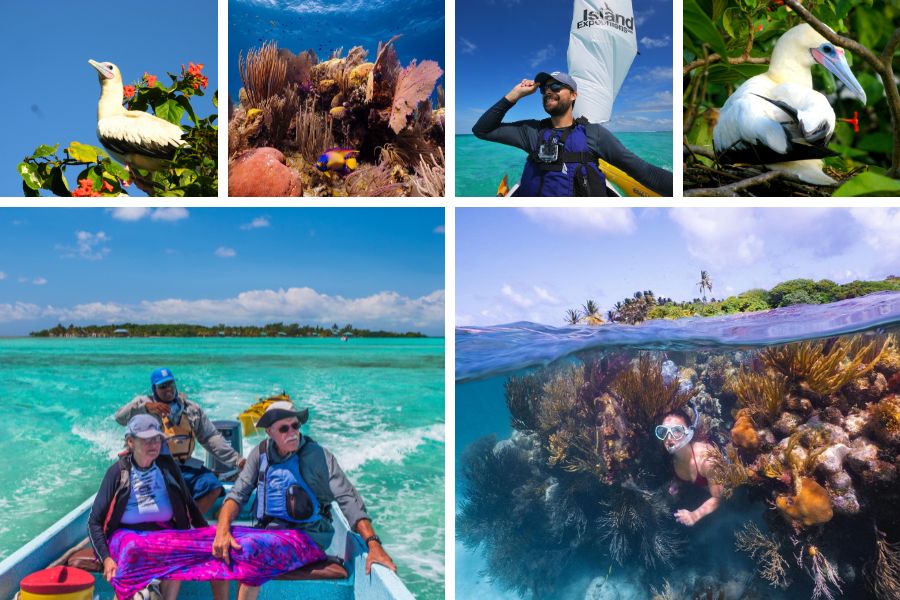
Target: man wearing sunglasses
[(183, 422), (563, 152), (296, 481)]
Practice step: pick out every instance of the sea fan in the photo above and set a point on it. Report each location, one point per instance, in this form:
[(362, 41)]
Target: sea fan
[(414, 85)]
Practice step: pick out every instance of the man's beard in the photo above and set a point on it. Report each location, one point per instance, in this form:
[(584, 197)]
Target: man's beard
[(559, 109)]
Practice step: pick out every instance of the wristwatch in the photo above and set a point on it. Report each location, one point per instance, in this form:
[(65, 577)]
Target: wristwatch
[(373, 538)]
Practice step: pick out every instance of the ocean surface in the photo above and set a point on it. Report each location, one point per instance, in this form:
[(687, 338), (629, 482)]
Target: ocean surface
[(481, 165), (324, 27), (488, 358), (378, 404)]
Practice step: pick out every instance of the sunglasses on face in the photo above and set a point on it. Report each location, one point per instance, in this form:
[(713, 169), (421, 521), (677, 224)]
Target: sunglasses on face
[(555, 87), (285, 428), (676, 431), (166, 385)]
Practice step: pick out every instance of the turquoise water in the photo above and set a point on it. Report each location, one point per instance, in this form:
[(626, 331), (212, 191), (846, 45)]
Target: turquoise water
[(480, 165), (377, 404)]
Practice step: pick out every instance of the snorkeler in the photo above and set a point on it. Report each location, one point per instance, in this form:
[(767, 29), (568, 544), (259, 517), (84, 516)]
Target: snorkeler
[(690, 462)]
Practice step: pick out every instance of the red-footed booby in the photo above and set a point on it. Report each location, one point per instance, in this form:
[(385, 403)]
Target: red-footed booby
[(777, 119), (134, 138)]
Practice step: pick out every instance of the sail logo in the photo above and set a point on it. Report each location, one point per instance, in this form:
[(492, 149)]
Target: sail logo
[(608, 18)]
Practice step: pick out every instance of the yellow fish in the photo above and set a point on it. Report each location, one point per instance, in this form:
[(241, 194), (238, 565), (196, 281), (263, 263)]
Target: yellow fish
[(341, 160)]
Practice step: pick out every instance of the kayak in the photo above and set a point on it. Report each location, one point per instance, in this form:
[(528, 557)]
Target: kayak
[(249, 417)]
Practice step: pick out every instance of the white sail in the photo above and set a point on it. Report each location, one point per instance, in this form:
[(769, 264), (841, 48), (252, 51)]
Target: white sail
[(602, 46)]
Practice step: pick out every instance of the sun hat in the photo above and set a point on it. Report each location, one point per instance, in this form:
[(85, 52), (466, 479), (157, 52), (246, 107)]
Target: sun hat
[(281, 410), (143, 426)]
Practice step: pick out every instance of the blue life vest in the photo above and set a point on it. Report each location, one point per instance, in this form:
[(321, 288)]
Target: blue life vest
[(273, 484), (573, 173)]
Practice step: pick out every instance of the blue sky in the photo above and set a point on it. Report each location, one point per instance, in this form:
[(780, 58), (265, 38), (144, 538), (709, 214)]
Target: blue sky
[(501, 42), (51, 92), (376, 268), (325, 26), (533, 264)]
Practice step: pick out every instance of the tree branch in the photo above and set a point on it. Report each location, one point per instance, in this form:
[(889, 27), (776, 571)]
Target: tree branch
[(700, 150), (743, 58), (731, 188), (882, 67)]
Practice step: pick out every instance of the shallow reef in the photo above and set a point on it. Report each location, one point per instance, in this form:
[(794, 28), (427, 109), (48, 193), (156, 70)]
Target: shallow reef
[(807, 439), (347, 126)]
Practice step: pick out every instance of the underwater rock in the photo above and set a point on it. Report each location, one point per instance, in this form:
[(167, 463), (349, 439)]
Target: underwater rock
[(831, 460), (846, 503), (855, 423), (743, 434), (810, 506), (360, 74), (863, 456), (262, 172), (840, 481), (787, 423), (869, 388)]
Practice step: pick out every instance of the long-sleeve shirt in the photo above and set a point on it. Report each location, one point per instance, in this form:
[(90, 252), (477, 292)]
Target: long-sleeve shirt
[(527, 136), (321, 472), (205, 432)]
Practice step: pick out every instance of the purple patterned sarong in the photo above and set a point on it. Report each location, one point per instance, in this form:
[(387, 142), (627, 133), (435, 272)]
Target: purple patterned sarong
[(186, 555)]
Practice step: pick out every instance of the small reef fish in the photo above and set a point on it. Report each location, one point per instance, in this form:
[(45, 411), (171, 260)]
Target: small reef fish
[(341, 160)]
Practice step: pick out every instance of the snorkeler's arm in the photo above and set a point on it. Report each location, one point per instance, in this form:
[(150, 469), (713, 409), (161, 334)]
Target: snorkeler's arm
[(521, 134), (612, 151)]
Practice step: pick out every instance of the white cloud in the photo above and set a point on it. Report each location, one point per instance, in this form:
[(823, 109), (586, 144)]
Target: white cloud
[(640, 17), (542, 55), (39, 281), (722, 236), (653, 74), (2, 275), (169, 214), (515, 297), (881, 227), (23, 280), (89, 246), (136, 213), (385, 309), (129, 213), (223, 252), (650, 42), (257, 223), (584, 220), (467, 47), (439, 230), (535, 298), (545, 296)]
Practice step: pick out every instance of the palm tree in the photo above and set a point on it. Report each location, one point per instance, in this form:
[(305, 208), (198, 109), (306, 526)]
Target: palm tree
[(704, 284), (572, 317), (591, 313)]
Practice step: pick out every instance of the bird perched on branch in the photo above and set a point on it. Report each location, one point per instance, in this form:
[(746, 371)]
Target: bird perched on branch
[(777, 119), (135, 138)]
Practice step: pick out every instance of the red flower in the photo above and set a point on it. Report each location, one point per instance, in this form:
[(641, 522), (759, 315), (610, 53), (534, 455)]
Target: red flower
[(85, 188), (129, 92), (107, 187), (854, 121), (150, 79), (195, 70)]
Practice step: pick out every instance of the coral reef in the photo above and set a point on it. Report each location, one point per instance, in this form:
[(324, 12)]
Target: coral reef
[(773, 568), (262, 172), (810, 505), (637, 523), (885, 574), (727, 470), (381, 110), (646, 394)]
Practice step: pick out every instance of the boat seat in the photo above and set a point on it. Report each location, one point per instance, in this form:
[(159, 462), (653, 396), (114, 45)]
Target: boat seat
[(330, 568)]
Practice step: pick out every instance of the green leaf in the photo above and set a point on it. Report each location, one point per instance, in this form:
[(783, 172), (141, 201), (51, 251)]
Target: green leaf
[(869, 184), (169, 110), (85, 153), (730, 18), (29, 193), (699, 25), (880, 141), (718, 7), (215, 99), (116, 170), (44, 150), (847, 151), (186, 105), (872, 87), (58, 183), (30, 175)]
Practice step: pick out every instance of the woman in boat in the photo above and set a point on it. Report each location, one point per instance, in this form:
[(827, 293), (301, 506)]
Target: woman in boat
[(690, 462), (143, 491)]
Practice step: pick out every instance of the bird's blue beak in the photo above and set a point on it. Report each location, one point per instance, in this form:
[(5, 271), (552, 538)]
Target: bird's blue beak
[(833, 59)]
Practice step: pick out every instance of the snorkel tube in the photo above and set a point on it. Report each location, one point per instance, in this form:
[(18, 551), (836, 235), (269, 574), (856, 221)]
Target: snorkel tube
[(689, 434)]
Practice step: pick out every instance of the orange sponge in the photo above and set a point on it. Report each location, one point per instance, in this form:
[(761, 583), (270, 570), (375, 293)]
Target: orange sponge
[(743, 434), (811, 505)]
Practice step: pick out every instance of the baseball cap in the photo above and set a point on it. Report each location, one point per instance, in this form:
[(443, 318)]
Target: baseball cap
[(161, 375), (143, 426), (559, 76)]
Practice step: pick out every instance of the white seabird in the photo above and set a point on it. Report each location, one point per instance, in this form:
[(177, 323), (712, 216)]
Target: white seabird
[(777, 119), (134, 138)]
